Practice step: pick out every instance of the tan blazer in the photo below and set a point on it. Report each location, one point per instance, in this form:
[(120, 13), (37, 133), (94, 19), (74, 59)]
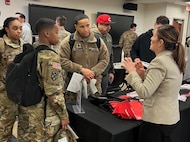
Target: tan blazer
[(159, 90)]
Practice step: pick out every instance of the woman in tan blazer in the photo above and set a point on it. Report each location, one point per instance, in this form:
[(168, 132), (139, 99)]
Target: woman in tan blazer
[(159, 85)]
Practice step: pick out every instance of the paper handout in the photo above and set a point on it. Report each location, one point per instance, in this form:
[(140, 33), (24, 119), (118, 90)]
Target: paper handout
[(75, 82)]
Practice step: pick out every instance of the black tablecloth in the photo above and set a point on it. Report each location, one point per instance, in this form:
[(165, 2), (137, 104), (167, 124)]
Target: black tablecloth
[(182, 134), (99, 125)]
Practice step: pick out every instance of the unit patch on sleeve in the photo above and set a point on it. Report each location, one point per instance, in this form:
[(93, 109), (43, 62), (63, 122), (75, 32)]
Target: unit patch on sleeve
[(54, 75)]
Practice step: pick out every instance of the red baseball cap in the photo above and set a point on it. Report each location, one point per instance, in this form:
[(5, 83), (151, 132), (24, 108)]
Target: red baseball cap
[(104, 19)]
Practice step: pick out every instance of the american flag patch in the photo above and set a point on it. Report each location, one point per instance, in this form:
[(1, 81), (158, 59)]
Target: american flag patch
[(56, 65)]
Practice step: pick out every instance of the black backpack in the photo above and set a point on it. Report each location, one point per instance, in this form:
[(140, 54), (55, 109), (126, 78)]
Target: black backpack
[(186, 41), (22, 84)]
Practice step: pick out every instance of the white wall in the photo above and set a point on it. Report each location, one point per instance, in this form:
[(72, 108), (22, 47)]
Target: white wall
[(152, 11), (91, 8), (144, 17)]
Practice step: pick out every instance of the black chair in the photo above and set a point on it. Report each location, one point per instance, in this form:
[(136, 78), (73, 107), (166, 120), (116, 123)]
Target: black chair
[(118, 82), (117, 53)]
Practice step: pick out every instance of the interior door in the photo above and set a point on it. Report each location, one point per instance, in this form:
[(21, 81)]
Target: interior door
[(178, 24)]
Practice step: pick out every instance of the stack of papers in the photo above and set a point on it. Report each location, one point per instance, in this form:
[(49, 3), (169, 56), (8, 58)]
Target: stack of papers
[(185, 86), (132, 94)]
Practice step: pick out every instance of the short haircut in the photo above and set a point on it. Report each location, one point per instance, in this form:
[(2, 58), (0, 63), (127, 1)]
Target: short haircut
[(133, 25), (21, 15), (44, 23), (80, 17), (61, 20), (162, 20)]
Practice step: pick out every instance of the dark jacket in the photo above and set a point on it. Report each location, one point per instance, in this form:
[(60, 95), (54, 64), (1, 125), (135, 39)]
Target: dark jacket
[(141, 47)]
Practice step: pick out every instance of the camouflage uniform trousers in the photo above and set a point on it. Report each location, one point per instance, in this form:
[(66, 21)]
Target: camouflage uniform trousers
[(126, 52), (53, 131), (8, 112), (31, 123), (52, 123), (32, 128)]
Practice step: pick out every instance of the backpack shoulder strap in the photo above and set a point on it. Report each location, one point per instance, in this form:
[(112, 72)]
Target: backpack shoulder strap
[(71, 41), (2, 45), (43, 47), (98, 40)]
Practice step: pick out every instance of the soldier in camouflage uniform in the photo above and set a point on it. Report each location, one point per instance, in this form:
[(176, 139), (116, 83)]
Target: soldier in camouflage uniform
[(127, 39), (50, 77), (102, 30), (10, 45), (62, 33), (84, 57)]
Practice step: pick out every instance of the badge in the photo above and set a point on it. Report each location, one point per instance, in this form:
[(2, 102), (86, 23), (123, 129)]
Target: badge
[(108, 39), (56, 65), (79, 46), (93, 49), (54, 75)]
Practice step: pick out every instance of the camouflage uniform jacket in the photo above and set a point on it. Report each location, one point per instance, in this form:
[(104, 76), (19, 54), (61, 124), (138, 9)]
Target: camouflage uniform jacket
[(126, 40), (8, 51), (85, 53), (50, 76), (62, 34), (108, 41)]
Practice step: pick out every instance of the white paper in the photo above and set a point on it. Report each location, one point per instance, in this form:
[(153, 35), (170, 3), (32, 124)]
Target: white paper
[(92, 86), (73, 133), (132, 94), (75, 82), (182, 98), (88, 88), (145, 64), (84, 89), (185, 86), (63, 140)]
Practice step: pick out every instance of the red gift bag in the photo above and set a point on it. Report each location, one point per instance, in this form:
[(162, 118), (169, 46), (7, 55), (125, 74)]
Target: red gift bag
[(127, 109)]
